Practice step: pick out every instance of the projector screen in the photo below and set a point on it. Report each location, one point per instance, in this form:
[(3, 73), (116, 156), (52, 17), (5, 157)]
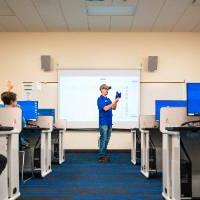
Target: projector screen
[(79, 91)]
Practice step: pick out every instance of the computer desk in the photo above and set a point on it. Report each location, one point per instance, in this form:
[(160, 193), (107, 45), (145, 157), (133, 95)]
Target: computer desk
[(40, 144), (136, 146), (151, 151), (58, 154), (180, 153), (9, 179)]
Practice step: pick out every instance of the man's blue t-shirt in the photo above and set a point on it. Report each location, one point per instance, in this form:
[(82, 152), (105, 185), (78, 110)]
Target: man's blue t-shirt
[(105, 117)]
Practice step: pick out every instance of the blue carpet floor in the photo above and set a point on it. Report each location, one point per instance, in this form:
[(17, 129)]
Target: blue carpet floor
[(82, 178)]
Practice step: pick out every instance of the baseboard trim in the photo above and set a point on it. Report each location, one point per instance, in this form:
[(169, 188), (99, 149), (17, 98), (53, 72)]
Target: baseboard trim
[(96, 151)]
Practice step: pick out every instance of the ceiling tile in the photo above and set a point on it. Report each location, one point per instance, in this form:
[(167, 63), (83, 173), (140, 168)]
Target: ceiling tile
[(11, 23), (169, 14), (99, 23), (189, 20), (27, 13), (146, 14), (51, 14), (75, 14), (121, 23), (4, 9), (71, 15)]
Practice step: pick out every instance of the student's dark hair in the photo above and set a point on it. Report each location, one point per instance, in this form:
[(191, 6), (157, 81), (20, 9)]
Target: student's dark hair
[(7, 97)]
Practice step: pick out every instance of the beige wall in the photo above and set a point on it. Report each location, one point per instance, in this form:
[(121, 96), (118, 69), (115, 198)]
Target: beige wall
[(20, 54), (179, 59)]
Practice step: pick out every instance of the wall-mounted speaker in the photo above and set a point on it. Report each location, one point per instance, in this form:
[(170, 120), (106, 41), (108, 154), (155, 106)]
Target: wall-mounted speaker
[(152, 63), (46, 63)]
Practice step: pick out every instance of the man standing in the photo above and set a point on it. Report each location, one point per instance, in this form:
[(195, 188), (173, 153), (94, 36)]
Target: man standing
[(105, 107)]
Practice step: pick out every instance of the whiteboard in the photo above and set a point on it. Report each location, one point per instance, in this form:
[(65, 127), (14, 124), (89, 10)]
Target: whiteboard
[(79, 91), (160, 91)]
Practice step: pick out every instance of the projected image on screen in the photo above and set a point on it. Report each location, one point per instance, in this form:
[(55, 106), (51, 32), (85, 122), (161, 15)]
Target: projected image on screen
[(79, 90)]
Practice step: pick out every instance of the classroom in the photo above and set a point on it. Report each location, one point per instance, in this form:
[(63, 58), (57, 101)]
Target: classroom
[(99, 99)]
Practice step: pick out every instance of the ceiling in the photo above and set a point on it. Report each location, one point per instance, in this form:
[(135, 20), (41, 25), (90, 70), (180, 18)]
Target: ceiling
[(71, 15)]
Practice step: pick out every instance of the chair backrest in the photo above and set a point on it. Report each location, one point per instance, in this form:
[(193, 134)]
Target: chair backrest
[(11, 117), (147, 121), (61, 123), (172, 117), (45, 122)]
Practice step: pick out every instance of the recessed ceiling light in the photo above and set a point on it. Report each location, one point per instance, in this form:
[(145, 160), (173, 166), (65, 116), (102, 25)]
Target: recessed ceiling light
[(110, 10)]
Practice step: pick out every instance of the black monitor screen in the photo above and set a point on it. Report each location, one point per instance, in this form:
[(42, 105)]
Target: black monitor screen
[(193, 98), (29, 109), (167, 103)]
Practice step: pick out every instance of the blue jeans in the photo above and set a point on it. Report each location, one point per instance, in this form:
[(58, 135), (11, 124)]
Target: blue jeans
[(105, 133)]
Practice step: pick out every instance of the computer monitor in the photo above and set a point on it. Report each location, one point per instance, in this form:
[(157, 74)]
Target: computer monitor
[(47, 112), (29, 109), (193, 99), (167, 103)]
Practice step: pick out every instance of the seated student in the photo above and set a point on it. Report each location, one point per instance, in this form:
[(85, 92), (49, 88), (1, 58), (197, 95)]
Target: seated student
[(3, 162), (10, 101)]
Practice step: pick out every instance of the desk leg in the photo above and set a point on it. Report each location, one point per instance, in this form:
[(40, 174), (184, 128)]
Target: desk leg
[(48, 151), (13, 169), (4, 175), (145, 153), (45, 153), (175, 170), (166, 165), (61, 150), (133, 148)]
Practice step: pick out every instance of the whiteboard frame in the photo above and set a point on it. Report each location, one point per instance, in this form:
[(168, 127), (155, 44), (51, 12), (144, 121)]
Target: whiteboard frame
[(96, 69)]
